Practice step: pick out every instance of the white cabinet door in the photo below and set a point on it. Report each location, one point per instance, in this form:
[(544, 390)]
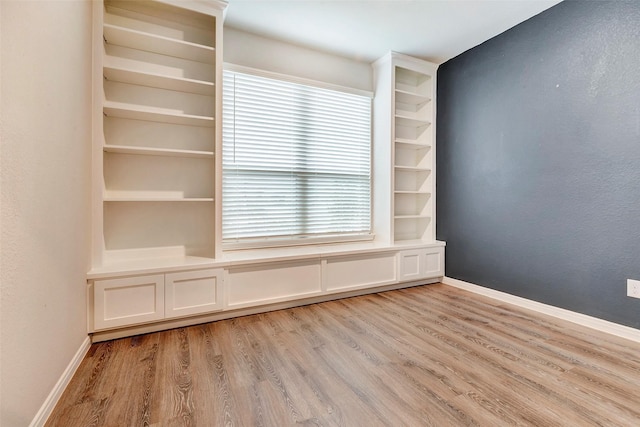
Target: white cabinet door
[(193, 292), (433, 262), (128, 301), (416, 264)]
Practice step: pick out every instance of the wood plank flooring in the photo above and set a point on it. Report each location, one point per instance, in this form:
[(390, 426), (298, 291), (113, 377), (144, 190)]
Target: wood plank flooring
[(425, 356)]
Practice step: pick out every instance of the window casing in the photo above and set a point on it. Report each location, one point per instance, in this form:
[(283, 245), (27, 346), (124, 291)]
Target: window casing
[(296, 163)]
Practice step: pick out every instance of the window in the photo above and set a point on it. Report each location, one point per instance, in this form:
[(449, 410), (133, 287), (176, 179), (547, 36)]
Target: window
[(296, 162)]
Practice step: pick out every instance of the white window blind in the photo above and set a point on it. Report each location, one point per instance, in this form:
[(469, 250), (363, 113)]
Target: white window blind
[(296, 161)]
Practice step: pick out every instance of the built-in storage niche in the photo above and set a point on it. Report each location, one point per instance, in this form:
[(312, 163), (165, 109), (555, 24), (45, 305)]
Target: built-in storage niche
[(413, 154), (159, 115), (409, 83)]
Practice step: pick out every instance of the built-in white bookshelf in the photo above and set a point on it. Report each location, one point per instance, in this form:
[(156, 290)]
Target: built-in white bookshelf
[(157, 107), (157, 182), (404, 145)]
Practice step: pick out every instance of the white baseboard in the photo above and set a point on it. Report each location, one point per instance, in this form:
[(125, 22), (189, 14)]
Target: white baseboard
[(560, 313), (51, 400)]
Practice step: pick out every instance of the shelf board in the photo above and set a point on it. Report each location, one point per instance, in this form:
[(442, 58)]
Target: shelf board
[(410, 241), (150, 196), (121, 36), (413, 98), (412, 169), (403, 120), (125, 149), (410, 217), (412, 143), (157, 199), (125, 261), (124, 75), (139, 112), (418, 192)]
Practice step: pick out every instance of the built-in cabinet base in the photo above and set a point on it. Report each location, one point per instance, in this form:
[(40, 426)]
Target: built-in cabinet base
[(140, 301)]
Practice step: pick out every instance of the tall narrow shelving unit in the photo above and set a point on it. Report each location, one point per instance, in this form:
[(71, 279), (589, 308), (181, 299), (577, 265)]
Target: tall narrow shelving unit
[(404, 149), (155, 135)]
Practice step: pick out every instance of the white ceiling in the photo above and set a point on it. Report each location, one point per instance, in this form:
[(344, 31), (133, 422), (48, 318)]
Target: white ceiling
[(436, 30)]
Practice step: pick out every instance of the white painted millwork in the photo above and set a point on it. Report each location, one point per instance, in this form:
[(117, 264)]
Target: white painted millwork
[(129, 300), (416, 264), (270, 283), (359, 271), (157, 260), (193, 292), (410, 264), (158, 291), (56, 393), (404, 148), (157, 67), (126, 301)]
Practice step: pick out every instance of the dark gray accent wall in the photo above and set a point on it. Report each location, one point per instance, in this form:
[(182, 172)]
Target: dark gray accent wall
[(538, 160)]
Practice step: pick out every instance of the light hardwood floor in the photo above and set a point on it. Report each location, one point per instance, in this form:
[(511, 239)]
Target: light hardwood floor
[(425, 356)]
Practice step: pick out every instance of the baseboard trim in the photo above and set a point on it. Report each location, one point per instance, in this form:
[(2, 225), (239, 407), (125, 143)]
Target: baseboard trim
[(50, 402), (560, 313)]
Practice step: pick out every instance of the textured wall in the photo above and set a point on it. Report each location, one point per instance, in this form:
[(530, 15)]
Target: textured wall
[(45, 174), (250, 50), (538, 161)]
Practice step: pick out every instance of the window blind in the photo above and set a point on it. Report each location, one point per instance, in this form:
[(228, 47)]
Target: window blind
[(296, 160)]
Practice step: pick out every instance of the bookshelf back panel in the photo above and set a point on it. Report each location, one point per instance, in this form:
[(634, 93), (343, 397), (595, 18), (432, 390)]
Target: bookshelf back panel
[(162, 21), (149, 62), (177, 177), (409, 156), (412, 181), (167, 101), (140, 133), (139, 225), (412, 204), (412, 228), (419, 134), (414, 82)]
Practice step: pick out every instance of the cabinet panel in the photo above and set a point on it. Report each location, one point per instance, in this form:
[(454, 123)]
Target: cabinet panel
[(362, 271), (419, 264), (127, 301), (193, 292), (271, 283), (136, 176), (410, 265), (156, 101), (434, 263)]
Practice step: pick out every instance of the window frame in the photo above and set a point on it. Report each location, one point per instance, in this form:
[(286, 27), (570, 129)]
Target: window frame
[(301, 240)]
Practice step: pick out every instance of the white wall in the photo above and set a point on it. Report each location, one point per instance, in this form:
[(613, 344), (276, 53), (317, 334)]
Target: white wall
[(45, 213), (250, 50)]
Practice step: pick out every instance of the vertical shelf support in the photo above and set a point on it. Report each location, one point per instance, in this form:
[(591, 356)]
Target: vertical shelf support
[(156, 105), (404, 144)]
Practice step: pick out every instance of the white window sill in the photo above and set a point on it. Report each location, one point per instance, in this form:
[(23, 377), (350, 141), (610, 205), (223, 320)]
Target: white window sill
[(292, 253), (239, 258)]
